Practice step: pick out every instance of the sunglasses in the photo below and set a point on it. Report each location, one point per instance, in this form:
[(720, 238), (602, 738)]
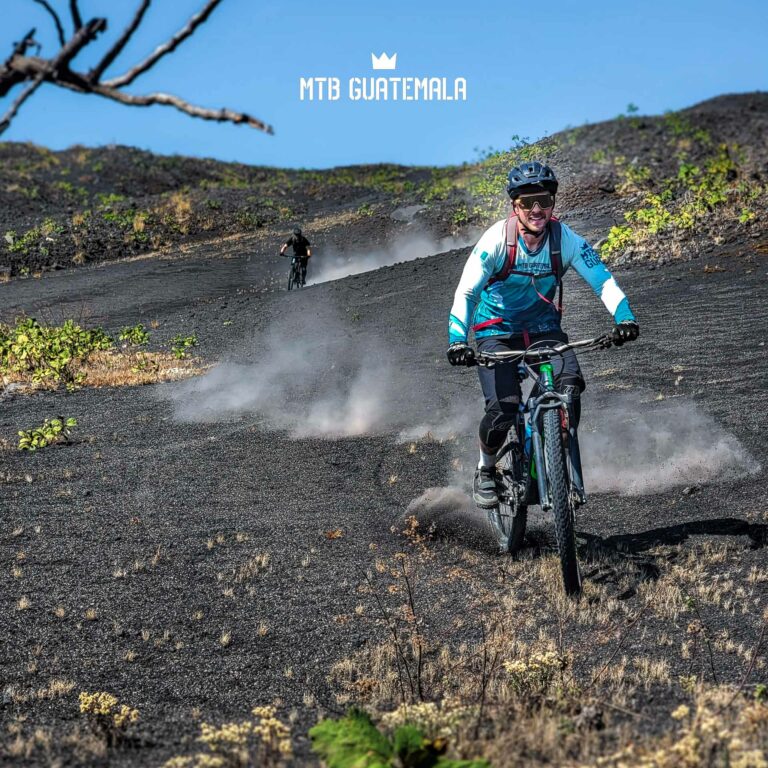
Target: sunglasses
[(544, 199)]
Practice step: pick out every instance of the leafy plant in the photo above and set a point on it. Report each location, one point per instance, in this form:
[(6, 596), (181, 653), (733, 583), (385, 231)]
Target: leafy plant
[(145, 363), (365, 210), (181, 345), (355, 742), (52, 431), (50, 353), (746, 215), (635, 177), (460, 215), (619, 237), (136, 335), (34, 238), (679, 202)]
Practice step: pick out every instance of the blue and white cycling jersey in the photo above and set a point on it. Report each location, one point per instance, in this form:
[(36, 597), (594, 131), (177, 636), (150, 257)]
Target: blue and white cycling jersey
[(515, 306)]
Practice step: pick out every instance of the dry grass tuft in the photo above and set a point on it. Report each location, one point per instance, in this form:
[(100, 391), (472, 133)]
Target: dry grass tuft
[(123, 369), (511, 670)]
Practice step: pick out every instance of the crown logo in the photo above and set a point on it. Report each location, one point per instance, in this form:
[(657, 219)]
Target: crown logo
[(384, 61)]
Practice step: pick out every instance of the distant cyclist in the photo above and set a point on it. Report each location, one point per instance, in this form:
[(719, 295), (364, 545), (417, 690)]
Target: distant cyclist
[(301, 249), (511, 294)]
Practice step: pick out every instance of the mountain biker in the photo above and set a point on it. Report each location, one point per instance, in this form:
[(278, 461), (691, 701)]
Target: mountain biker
[(508, 291), (301, 249)]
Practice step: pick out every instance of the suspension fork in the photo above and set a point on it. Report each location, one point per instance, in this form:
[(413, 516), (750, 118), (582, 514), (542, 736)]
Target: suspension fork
[(577, 477), (537, 440)]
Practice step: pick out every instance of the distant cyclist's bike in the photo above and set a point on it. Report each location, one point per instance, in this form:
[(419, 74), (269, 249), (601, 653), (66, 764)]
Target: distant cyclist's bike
[(295, 276), (540, 460)]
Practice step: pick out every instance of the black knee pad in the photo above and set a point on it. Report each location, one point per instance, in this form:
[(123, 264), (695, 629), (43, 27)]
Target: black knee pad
[(498, 419)]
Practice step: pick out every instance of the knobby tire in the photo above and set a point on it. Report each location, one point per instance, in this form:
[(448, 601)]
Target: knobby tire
[(557, 483)]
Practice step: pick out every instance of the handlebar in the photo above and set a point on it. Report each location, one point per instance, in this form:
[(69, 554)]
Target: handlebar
[(541, 353)]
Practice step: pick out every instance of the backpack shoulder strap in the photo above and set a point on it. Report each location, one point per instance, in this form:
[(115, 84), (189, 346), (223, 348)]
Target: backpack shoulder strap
[(555, 251), (510, 240), (556, 258)]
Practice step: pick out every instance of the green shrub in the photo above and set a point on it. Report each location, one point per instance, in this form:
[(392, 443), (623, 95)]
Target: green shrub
[(181, 345), (49, 353), (355, 742), (136, 335), (460, 215), (52, 431), (746, 215), (636, 177), (686, 198), (619, 237), (34, 238)]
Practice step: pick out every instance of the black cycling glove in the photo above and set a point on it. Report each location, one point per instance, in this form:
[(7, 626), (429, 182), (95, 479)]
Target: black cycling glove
[(460, 353), (629, 330)]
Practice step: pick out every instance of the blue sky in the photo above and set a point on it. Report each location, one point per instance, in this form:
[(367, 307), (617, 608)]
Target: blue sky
[(531, 69)]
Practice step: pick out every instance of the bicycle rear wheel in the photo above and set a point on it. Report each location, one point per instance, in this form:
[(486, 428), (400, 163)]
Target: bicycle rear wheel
[(559, 493)]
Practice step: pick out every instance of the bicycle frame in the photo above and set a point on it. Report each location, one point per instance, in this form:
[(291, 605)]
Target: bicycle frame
[(549, 399), (545, 397), (552, 459)]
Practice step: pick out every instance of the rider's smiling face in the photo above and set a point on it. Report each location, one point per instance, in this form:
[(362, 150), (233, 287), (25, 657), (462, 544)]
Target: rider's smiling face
[(534, 219)]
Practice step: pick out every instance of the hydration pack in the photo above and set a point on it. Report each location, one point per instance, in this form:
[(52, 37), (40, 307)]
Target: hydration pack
[(555, 259)]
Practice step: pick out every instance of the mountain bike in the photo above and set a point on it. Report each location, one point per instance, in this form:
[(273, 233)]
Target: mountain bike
[(540, 460), (295, 277)]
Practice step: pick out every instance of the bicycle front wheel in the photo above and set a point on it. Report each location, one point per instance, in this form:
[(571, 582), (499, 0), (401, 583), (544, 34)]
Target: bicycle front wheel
[(557, 484), (291, 277)]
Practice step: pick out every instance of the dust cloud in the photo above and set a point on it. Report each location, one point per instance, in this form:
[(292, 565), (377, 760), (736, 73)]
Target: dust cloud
[(641, 448), (449, 512), (298, 388), (633, 448), (334, 266)]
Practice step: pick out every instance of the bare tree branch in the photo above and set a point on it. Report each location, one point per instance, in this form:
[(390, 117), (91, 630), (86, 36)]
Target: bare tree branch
[(19, 49), (9, 77), (220, 115), (5, 121), (165, 48), (56, 19), (77, 20), (39, 70), (21, 68), (95, 74), (81, 38)]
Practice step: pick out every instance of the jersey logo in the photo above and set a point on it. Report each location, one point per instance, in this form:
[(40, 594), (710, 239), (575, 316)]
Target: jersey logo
[(590, 256)]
